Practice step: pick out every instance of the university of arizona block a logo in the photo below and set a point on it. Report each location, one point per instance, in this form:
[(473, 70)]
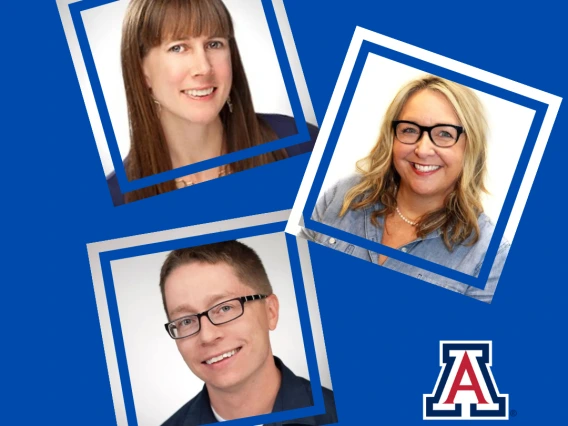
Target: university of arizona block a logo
[(466, 388)]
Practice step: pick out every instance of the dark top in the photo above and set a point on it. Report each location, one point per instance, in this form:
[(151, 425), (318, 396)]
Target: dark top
[(282, 125), (295, 392)]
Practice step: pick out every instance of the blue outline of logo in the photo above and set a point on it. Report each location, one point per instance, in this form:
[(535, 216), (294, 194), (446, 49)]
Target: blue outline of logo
[(481, 376)]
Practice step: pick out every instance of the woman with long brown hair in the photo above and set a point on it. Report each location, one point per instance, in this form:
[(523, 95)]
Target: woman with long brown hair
[(419, 189), (187, 95)]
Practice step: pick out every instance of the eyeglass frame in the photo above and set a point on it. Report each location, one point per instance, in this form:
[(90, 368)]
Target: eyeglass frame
[(242, 300), (427, 129)]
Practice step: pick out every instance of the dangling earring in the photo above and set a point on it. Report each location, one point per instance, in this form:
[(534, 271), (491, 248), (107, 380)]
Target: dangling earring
[(230, 104), (159, 105)]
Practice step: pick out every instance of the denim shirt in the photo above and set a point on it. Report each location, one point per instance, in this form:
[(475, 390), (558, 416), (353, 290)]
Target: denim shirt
[(463, 258)]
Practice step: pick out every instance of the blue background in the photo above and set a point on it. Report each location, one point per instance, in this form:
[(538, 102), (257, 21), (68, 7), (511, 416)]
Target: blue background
[(382, 342)]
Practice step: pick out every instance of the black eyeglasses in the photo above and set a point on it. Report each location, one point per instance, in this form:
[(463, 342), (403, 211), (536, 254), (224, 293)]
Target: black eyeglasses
[(442, 135), (221, 313)]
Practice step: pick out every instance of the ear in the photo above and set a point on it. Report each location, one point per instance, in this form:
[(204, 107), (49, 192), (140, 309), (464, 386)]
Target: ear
[(146, 72), (272, 311), (148, 81)]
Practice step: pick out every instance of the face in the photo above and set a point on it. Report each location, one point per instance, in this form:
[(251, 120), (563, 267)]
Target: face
[(427, 170), (195, 288), (191, 79)]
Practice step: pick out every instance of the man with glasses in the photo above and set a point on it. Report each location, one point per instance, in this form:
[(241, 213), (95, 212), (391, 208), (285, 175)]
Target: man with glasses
[(221, 308)]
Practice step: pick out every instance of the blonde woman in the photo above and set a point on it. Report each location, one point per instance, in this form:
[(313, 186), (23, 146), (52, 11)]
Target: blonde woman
[(419, 190)]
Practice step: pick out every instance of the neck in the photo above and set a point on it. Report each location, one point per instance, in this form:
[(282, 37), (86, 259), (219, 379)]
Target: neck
[(254, 397), (190, 143), (414, 206)]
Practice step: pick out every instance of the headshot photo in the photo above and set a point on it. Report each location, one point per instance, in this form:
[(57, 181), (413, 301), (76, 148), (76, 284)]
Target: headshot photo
[(212, 333), (186, 82), (422, 166)]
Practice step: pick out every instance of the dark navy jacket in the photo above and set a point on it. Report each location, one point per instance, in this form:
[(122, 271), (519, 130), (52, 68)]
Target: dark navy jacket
[(295, 392), (282, 125)]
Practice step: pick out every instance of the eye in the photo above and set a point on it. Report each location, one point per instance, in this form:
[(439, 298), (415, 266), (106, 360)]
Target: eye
[(409, 130), (224, 309), (215, 44), (178, 48), (186, 322), (446, 132)]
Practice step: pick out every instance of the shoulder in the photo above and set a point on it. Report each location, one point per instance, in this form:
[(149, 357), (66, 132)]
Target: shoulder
[(330, 415), (345, 184), (485, 223), (296, 392), (285, 126), (486, 230), (335, 194), (470, 258), (115, 193), (193, 412), (330, 204)]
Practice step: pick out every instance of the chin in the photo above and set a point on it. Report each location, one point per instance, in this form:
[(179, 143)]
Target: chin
[(226, 383), (203, 119), (425, 192), (433, 193)]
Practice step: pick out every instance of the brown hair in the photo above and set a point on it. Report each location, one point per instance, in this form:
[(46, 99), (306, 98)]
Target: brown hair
[(245, 263), (457, 219), (147, 24)]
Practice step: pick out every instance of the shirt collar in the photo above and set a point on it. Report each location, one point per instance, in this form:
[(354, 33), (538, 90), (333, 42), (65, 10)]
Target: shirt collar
[(375, 233)]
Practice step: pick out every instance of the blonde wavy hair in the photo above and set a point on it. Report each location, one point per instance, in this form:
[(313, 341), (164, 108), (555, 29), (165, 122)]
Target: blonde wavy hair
[(457, 219)]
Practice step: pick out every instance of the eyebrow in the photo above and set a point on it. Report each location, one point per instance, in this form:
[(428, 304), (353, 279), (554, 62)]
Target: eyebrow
[(441, 123), (188, 37), (210, 301)]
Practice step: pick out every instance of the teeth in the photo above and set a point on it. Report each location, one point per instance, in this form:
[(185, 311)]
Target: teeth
[(199, 93), (221, 357), (422, 168)]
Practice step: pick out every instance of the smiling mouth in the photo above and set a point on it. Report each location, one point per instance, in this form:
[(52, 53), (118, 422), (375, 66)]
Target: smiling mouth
[(199, 93), (221, 357), (424, 168)]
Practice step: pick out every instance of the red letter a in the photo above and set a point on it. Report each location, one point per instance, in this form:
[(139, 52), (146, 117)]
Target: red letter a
[(456, 386)]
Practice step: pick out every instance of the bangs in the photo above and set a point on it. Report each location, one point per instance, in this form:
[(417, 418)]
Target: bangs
[(182, 19)]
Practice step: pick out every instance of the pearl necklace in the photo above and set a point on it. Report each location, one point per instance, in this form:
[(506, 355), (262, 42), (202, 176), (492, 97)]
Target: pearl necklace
[(411, 223), (182, 183)]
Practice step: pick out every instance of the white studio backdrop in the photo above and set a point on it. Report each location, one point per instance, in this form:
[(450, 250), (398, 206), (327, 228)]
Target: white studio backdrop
[(380, 80), (161, 381), (103, 26)]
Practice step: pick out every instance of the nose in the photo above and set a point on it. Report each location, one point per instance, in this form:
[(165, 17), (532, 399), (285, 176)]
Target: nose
[(200, 63), (424, 146), (209, 332)]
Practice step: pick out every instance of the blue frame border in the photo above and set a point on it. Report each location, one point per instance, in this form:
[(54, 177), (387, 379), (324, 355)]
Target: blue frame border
[(107, 257), (368, 48), (128, 186)]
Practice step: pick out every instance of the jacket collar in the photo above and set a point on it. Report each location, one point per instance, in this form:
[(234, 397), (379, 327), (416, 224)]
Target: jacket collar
[(293, 394)]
